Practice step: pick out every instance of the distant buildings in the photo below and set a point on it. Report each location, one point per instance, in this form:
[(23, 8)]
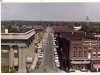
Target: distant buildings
[(77, 28)]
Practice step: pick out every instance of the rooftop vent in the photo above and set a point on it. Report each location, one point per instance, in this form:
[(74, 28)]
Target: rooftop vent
[(6, 30)]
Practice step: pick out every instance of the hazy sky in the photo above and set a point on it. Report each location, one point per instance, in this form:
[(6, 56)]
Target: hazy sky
[(51, 11)]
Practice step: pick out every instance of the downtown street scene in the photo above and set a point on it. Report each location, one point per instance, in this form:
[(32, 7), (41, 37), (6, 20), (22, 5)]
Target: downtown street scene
[(50, 38)]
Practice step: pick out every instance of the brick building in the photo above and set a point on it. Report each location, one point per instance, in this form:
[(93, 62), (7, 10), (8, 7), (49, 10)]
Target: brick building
[(80, 51)]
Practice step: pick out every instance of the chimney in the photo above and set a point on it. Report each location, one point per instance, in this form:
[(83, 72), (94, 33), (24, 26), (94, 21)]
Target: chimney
[(6, 30), (72, 32), (85, 33)]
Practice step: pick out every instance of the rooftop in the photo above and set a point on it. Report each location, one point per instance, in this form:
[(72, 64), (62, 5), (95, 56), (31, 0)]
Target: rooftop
[(25, 35), (63, 28)]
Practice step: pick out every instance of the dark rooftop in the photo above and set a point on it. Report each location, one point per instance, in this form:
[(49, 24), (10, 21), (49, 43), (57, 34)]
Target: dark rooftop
[(63, 28)]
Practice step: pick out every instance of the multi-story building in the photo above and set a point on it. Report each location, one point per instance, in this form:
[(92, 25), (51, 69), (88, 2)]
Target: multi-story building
[(84, 54), (18, 49), (80, 51)]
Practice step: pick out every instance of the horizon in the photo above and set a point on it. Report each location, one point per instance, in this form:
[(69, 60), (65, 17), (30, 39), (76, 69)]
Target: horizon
[(50, 21)]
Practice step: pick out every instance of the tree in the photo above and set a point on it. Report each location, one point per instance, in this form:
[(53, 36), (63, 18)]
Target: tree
[(12, 70), (8, 26), (14, 30), (85, 28), (5, 69), (70, 26), (90, 29)]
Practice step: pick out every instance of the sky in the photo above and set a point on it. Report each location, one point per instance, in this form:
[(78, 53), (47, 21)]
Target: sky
[(51, 11)]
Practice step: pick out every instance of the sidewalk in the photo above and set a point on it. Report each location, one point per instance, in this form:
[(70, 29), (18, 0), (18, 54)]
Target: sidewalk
[(36, 57), (59, 71), (34, 62)]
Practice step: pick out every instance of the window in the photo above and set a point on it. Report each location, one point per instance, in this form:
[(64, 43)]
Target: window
[(94, 54), (99, 48), (80, 48), (74, 53), (99, 52), (15, 55), (84, 54), (85, 48), (79, 53), (95, 48), (83, 66), (74, 48), (72, 66), (98, 55)]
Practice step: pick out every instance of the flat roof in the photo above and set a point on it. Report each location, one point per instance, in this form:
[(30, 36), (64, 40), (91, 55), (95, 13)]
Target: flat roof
[(25, 35)]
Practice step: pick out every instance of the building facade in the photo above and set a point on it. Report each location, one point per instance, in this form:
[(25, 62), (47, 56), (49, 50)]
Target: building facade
[(17, 50), (79, 51), (84, 55)]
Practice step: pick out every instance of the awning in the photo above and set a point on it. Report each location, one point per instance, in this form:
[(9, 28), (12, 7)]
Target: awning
[(96, 65), (80, 62)]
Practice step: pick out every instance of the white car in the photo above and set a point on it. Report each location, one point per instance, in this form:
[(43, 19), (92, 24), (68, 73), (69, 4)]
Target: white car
[(40, 55), (55, 50), (54, 40), (54, 43), (56, 59), (55, 53), (57, 64)]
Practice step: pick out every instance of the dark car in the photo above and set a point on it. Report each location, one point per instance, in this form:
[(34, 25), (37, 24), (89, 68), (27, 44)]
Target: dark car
[(39, 61), (42, 50)]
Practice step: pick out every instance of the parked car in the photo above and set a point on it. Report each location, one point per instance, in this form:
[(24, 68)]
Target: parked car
[(42, 50), (55, 50), (57, 64), (55, 53), (56, 59), (39, 62), (40, 55)]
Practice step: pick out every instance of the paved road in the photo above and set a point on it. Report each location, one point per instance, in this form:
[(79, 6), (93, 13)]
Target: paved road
[(48, 59)]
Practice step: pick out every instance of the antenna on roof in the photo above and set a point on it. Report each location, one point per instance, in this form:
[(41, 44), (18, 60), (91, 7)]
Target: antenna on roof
[(87, 20)]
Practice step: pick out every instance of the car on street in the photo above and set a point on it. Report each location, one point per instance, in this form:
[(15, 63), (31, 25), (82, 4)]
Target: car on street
[(40, 56), (56, 59), (40, 59), (42, 50), (55, 53), (54, 43), (55, 50), (57, 64)]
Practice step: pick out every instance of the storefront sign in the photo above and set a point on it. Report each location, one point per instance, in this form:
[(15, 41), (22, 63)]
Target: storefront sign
[(80, 62)]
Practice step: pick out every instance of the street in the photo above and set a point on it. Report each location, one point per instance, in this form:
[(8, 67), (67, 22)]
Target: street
[(48, 59)]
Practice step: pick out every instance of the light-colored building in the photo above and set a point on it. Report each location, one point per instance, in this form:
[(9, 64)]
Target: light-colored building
[(77, 28), (17, 49)]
